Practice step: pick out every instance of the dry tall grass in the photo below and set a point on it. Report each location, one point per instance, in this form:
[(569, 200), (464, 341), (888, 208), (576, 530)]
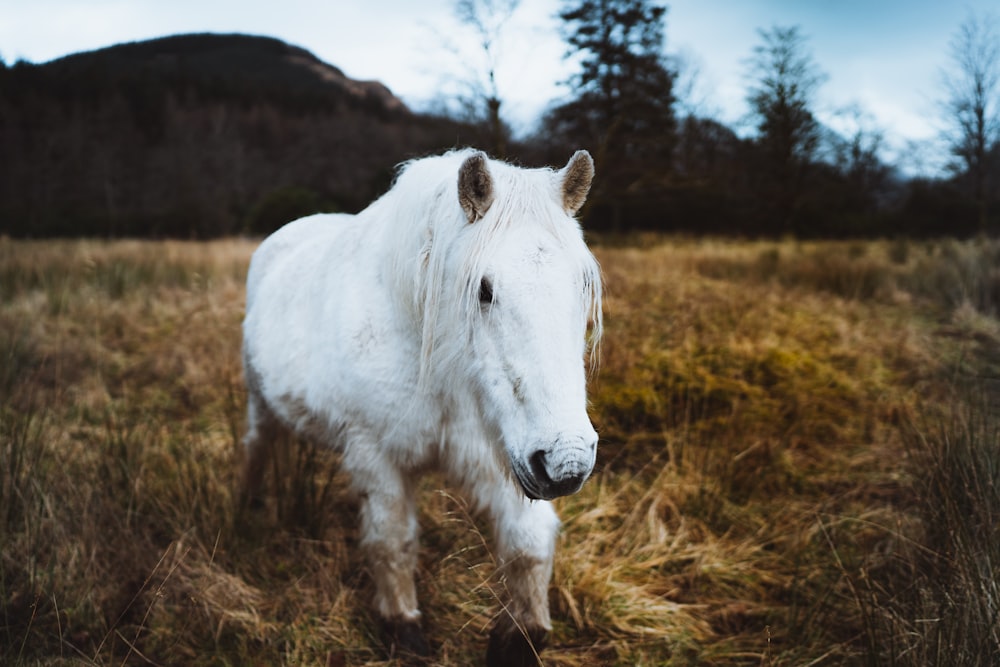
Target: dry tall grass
[(790, 460)]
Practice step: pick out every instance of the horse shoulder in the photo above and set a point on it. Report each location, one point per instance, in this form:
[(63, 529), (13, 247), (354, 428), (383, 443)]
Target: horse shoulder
[(285, 286), (322, 328)]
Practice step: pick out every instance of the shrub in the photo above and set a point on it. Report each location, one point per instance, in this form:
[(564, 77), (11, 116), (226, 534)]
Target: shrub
[(281, 206)]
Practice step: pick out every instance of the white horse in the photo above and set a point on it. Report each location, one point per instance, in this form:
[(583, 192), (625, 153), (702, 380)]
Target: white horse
[(445, 325)]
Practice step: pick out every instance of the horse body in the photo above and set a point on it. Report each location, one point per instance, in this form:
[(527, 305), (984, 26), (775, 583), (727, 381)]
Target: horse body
[(442, 326), (328, 350)]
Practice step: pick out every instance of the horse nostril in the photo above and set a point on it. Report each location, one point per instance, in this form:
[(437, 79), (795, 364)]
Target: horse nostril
[(537, 461), (568, 477)]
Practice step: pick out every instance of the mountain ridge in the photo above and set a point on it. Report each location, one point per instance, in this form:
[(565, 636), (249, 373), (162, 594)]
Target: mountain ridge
[(197, 135), (202, 57)]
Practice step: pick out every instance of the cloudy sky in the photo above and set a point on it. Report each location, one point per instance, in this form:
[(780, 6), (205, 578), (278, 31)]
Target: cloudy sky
[(883, 57)]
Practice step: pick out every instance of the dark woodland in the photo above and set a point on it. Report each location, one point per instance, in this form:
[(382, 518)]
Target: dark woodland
[(202, 136)]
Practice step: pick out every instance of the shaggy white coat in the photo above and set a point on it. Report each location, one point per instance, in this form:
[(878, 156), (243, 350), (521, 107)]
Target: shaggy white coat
[(420, 334)]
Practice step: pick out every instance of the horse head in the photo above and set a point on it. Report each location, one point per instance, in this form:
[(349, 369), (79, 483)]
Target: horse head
[(531, 289)]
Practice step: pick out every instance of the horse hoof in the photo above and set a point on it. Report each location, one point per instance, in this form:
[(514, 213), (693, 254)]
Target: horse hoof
[(405, 640), (509, 647)]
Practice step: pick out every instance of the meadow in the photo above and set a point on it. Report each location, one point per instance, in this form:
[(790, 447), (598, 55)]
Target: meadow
[(798, 466)]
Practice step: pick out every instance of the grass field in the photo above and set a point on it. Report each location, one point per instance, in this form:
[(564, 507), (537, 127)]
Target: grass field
[(798, 466)]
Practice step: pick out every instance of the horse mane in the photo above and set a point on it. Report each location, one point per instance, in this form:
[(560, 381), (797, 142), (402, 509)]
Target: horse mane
[(421, 216)]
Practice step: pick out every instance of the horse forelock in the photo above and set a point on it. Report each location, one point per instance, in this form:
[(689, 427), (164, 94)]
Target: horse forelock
[(427, 220)]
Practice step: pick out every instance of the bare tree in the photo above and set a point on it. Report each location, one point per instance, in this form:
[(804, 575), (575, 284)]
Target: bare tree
[(972, 103), (856, 151), (783, 81), (487, 19), (693, 95)]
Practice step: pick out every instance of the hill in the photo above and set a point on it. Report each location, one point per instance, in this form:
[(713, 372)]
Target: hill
[(196, 136)]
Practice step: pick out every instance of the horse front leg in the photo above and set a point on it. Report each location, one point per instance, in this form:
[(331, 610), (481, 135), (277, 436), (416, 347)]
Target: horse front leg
[(526, 534), (258, 442), (389, 533)]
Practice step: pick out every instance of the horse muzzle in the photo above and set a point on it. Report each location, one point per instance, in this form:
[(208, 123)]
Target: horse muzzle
[(557, 468)]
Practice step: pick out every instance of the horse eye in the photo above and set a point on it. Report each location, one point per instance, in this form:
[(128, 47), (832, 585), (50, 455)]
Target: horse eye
[(485, 292)]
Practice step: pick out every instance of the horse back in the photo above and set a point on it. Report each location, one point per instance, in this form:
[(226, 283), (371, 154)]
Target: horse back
[(310, 231)]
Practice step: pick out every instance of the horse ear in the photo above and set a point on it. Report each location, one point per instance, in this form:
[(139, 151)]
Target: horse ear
[(475, 186), (577, 176)]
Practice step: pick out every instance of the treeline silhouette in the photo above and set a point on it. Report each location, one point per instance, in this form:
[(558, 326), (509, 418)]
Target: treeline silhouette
[(210, 135)]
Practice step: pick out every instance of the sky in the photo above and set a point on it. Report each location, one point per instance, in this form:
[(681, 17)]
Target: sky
[(884, 58)]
